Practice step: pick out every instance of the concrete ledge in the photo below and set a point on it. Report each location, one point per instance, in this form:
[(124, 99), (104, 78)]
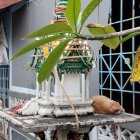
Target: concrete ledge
[(38, 123)]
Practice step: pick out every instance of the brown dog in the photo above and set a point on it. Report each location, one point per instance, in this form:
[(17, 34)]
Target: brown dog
[(104, 105)]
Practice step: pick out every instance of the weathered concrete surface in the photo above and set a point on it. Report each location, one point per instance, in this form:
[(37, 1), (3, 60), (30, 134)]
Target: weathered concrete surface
[(38, 123)]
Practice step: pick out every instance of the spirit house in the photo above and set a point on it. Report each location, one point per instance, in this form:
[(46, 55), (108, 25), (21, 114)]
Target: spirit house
[(71, 75), (74, 70)]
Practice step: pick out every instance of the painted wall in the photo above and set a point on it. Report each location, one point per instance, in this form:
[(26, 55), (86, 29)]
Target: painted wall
[(32, 17), (25, 20)]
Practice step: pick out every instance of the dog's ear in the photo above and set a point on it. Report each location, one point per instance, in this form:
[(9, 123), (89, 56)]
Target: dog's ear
[(93, 104), (117, 101)]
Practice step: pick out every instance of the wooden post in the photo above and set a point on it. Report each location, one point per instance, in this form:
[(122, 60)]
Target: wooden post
[(62, 134), (61, 94), (37, 87), (83, 87), (114, 131), (57, 90), (47, 94), (87, 86), (43, 89)]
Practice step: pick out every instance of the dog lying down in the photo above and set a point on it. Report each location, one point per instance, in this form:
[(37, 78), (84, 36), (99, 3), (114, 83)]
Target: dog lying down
[(104, 105)]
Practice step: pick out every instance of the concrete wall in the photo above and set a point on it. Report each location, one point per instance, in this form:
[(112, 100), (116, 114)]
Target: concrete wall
[(26, 20), (36, 15)]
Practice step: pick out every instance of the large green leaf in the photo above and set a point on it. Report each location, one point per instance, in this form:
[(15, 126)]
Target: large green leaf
[(129, 36), (111, 43), (72, 13), (79, 19), (50, 29), (36, 44), (51, 61), (88, 10)]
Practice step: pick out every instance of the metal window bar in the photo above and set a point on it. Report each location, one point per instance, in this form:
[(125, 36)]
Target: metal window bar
[(115, 65), (4, 84)]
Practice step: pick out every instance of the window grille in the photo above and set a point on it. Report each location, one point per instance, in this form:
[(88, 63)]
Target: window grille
[(4, 84), (115, 65)]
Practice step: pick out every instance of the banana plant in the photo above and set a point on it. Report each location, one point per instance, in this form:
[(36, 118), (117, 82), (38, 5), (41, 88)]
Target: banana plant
[(69, 31)]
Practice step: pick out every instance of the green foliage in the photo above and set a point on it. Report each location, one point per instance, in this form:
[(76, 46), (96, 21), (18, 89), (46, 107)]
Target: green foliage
[(48, 65), (79, 19), (50, 29), (69, 31), (88, 10), (36, 44), (129, 37), (104, 30), (72, 13)]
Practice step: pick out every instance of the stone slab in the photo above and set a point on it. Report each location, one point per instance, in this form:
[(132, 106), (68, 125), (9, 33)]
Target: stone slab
[(38, 123)]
